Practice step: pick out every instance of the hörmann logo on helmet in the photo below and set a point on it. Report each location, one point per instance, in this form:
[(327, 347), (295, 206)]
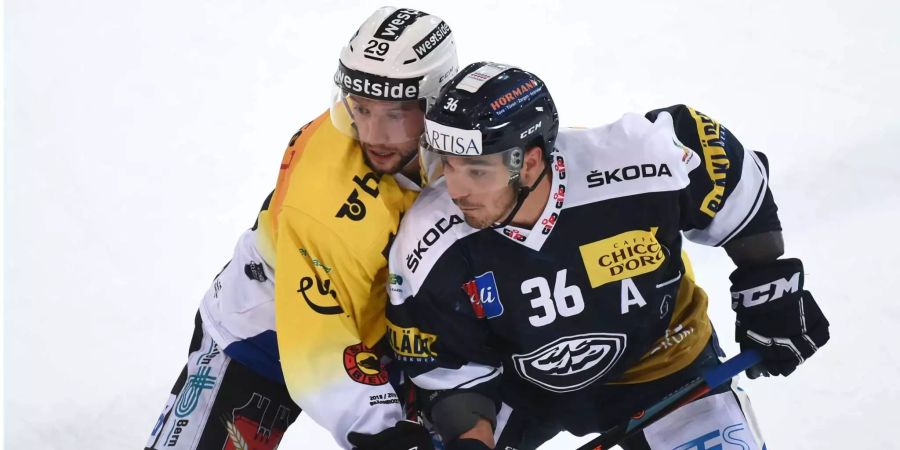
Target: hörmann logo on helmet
[(572, 362), (452, 140), (512, 95), (393, 25), (376, 87)]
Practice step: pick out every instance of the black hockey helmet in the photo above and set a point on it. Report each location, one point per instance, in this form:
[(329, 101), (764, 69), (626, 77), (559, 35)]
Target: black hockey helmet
[(490, 108)]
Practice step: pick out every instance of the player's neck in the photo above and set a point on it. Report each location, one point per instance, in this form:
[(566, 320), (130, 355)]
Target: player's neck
[(411, 171), (534, 204)]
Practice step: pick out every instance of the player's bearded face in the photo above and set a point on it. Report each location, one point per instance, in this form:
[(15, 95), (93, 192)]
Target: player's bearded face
[(480, 187), (388, 132)]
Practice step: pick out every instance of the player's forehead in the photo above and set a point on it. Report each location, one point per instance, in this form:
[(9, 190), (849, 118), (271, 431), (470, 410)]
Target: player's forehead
[(384, 105), (484, 161)]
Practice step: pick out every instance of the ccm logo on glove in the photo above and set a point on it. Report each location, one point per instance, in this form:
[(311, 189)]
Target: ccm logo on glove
[(766, 292), (776, 316)]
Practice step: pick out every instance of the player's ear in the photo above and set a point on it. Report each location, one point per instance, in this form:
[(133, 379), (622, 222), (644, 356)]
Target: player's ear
[(532, 165)]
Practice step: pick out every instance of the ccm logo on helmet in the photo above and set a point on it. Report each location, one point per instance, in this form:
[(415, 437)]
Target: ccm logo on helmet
[(376, 87), (530, 130)]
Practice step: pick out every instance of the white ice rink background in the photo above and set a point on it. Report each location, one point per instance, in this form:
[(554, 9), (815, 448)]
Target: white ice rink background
[(142, 136)]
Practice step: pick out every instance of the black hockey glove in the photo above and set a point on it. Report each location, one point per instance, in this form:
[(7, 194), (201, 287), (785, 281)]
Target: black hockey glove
[(405, 435), (776, 316)]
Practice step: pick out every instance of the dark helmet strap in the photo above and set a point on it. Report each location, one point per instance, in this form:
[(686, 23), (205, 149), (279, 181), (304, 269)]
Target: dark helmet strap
[(520, 199)]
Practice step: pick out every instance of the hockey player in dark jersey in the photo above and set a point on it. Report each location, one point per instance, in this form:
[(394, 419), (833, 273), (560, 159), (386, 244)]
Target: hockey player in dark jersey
[(540, 285)]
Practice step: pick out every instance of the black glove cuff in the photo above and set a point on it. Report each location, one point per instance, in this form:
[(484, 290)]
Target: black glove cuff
[(763, 288)]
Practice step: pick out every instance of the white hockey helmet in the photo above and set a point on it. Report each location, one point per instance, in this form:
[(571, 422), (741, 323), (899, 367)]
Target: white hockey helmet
[(397, 55)]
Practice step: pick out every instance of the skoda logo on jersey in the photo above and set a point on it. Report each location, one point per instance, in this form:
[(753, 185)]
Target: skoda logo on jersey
[(484, 296), (599, 178), (571, 363), (430, 238)]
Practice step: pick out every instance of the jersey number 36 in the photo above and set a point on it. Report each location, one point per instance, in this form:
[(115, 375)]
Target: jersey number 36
[(565, 300)]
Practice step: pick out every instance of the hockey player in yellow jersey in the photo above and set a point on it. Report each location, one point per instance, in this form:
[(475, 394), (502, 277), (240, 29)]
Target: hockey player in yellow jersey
[(294, 321)]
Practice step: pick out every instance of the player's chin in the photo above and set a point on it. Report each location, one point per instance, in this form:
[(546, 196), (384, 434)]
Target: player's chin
[(477, 221)]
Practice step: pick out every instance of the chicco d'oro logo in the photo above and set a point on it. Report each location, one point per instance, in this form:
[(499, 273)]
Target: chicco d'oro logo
[(624, 255), (363, 366), (354, 208), (572, 362)]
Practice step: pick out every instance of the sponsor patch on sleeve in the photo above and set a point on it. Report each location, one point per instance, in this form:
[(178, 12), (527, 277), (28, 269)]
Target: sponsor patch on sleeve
[(411, 344), (484, 296)]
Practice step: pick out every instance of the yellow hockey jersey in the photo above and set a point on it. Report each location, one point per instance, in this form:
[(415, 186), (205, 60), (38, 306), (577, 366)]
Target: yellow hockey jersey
[(314, 268)]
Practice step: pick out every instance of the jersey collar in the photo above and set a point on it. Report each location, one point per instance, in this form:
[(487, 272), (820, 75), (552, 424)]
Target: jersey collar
[(538, 234)]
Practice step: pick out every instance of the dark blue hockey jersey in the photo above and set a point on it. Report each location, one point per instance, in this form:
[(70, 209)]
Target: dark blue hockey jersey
[(597, 292)]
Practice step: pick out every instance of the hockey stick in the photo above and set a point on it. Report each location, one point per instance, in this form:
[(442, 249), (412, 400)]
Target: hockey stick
[(695, 389)]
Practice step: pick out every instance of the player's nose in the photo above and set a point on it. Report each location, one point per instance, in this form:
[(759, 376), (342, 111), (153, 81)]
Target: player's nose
[(374, 132)]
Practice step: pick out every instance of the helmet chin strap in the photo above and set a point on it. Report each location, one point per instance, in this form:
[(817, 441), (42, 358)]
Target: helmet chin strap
[(520, 198)]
